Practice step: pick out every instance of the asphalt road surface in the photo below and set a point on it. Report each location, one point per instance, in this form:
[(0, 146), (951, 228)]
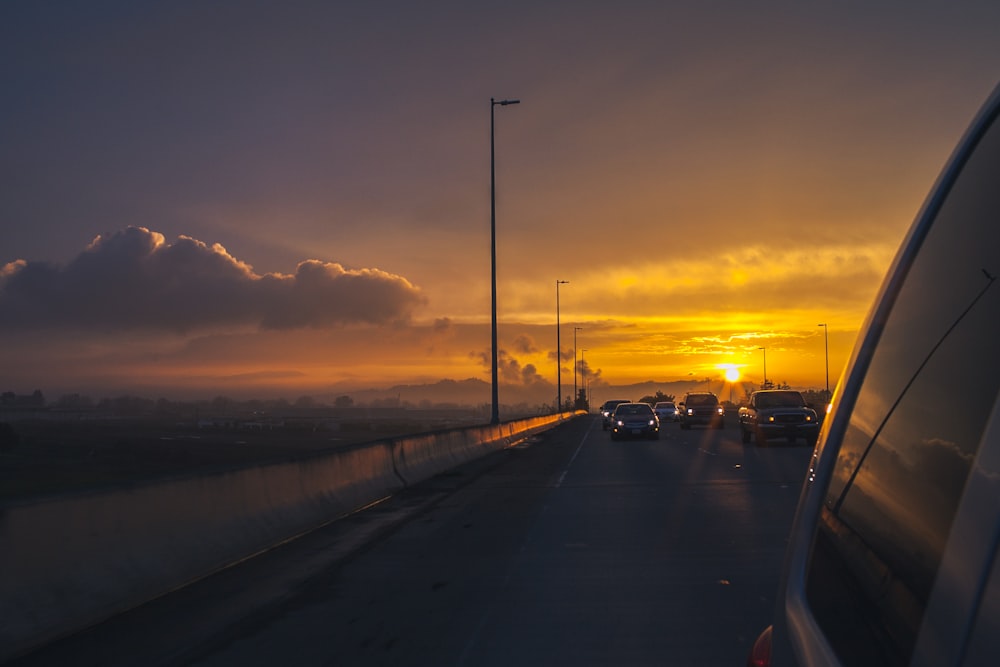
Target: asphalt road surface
[(569, 549)]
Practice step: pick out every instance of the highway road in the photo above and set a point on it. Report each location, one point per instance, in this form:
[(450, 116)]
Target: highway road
[(567, 549)]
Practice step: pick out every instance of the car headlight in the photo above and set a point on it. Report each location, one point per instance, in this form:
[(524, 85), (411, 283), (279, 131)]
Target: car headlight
[(720, 410), (652, 422)]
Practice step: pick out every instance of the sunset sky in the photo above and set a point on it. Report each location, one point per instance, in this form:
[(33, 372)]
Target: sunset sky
[(254, 197)]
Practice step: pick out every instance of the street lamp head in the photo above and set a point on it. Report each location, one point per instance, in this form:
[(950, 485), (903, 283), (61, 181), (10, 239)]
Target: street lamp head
[(504, 103)]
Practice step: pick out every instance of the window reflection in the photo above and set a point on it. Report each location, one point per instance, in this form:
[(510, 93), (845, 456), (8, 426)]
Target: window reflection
[(914, 430)]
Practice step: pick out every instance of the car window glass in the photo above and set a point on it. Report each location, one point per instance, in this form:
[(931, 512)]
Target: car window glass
[(914, 430), (788, 400)]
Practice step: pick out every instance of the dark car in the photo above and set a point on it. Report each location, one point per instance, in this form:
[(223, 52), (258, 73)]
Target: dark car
[(634, 420), (702, 408), (893, 554), (778, 413), (607, 409)]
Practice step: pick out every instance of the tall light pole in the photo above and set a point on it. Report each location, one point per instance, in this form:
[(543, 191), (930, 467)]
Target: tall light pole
[(765, 366), (826, 344), (495, 418), (586, 387), (575, 391), (558, 351)]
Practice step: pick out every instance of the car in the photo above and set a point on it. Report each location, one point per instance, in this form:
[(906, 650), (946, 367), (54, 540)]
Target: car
[(666, 411), (894, 554), (607, 409), (778, 413), (631, 420), (702, 408)]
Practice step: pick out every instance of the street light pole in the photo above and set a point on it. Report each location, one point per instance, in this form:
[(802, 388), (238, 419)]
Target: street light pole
[(575, 390), (826, 344), (558, 351), (765, 366), (495, 417), (586, 387)]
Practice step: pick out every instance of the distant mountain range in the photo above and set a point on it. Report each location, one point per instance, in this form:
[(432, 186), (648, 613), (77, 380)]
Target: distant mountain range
[(474, 392)]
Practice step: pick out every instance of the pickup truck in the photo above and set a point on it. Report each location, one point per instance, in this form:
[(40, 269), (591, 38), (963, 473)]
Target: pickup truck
[(701, 408), (778, 413)]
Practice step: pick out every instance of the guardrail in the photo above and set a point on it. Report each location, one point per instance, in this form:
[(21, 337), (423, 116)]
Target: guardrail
[(69, 563)]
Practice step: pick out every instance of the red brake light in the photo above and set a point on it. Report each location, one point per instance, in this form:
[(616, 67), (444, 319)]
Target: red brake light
[(760, 653)]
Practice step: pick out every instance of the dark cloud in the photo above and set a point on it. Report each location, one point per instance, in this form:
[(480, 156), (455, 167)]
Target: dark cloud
[(567, 355), (530, 376), (134, 280), (587, 372), (510, 370), (525, 344)]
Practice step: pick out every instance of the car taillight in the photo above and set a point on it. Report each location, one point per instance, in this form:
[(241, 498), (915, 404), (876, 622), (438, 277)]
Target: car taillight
[(760, 653)]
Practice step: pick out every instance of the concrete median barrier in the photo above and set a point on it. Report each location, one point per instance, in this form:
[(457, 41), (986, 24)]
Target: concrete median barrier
[(68, 563), (420, 457)]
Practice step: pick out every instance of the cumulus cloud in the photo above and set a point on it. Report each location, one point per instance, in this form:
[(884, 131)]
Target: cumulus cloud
[(134, 280), (530, 376), (587, 372), (511, 370), (525, 344)]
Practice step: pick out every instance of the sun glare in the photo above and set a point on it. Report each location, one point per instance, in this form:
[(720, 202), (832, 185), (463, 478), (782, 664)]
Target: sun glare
[(732, 374)]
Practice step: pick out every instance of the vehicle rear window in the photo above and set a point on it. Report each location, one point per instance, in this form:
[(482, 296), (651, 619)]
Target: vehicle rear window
[(914, 431), (786, 399), (701, 399)]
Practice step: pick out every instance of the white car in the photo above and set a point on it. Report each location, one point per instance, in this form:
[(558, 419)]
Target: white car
[(666, 411)]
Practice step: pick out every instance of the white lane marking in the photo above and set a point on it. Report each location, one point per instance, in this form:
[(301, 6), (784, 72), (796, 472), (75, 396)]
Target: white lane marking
[(708, 452), (575, 454), (463, 659)]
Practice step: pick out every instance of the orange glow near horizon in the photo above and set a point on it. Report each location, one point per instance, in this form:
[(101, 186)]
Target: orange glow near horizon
[(318, 244)]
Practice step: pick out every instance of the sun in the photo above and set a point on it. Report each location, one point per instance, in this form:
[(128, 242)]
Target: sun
[(732, 374)]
